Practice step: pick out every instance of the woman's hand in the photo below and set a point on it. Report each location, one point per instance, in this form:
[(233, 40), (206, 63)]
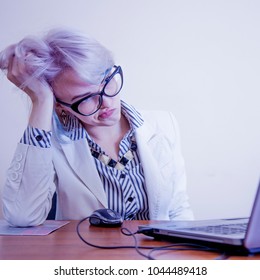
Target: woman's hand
[(20, 74), (39, 91)]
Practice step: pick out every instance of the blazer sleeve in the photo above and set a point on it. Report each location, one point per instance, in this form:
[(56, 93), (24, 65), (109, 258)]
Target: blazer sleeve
[(179, 207), (29, 187), (165, 170)]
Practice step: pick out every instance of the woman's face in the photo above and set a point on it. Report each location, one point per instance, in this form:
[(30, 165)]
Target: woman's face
[(69, 87)]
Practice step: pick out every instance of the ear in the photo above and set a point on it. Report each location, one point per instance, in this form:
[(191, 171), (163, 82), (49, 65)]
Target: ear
[(58, 108)]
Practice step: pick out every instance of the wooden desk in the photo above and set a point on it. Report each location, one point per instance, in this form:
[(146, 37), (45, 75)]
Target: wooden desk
[(64, 244)]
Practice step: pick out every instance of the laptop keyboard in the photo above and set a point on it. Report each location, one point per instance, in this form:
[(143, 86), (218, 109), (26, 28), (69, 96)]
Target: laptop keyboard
[(221, 229)]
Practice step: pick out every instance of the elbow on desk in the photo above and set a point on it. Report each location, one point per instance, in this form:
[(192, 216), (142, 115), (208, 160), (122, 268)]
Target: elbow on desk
[(19, 218)]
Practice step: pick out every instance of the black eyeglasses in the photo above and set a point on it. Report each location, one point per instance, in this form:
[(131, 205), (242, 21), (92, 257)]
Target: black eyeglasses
[(90, 104)]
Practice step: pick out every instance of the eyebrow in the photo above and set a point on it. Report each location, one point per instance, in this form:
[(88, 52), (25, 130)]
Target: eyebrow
[(81, 95)]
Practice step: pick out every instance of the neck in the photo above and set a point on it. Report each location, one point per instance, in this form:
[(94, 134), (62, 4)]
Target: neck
[(113, 133), (109, 137)]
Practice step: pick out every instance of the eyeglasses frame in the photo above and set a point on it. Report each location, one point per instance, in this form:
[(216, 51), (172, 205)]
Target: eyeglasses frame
[(74, 106)]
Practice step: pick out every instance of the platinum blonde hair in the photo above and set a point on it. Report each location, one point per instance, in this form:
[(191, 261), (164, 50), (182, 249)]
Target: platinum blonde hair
[(47, 56)]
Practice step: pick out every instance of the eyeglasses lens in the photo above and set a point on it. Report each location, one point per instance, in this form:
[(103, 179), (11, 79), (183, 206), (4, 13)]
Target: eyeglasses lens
[(113, 87), (93, 103), (89, 105)]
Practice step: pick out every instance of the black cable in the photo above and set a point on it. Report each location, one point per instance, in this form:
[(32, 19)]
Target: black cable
[(127, 232), (192, 247), (136, 247), (93, 245)]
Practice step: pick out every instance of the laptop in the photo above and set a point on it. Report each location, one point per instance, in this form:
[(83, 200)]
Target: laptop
[(241, 234)]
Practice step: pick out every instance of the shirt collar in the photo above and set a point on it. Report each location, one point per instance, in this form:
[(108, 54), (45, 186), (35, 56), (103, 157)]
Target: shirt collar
[(133, 116)]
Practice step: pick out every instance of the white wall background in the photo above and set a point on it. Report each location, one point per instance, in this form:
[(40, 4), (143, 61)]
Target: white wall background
[(197, 58)]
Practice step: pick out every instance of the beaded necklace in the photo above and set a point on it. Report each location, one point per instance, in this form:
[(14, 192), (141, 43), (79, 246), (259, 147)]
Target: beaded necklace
[(121, 163)]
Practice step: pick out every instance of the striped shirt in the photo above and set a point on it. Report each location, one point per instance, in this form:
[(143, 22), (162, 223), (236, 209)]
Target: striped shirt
[(125, 189)]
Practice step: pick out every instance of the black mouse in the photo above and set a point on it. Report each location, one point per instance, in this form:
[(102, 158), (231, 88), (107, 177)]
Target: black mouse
[(105, 218)]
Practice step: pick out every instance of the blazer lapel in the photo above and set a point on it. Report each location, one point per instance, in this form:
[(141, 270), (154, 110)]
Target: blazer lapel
[(147, 141), (81, 161)]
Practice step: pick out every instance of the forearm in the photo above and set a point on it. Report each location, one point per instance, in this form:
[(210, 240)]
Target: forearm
[(180, 206), (41, 114)]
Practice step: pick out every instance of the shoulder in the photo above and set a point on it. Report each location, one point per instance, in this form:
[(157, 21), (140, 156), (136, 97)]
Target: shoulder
[(156, 116), (161, 122)]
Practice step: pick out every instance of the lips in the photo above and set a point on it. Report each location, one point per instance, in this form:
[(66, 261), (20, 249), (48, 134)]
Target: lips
[(106, 114)]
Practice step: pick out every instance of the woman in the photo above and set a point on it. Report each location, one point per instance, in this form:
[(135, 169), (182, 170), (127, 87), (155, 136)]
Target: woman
[(83, 143)]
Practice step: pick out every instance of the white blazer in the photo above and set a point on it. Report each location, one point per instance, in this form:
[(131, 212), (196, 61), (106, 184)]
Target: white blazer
[(69, 169)]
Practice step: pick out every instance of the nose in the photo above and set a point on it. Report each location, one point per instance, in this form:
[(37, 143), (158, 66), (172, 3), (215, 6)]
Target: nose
[(106, 102)]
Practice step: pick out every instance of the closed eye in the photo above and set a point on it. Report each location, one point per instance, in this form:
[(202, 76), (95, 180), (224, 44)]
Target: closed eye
[(80, 96)]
